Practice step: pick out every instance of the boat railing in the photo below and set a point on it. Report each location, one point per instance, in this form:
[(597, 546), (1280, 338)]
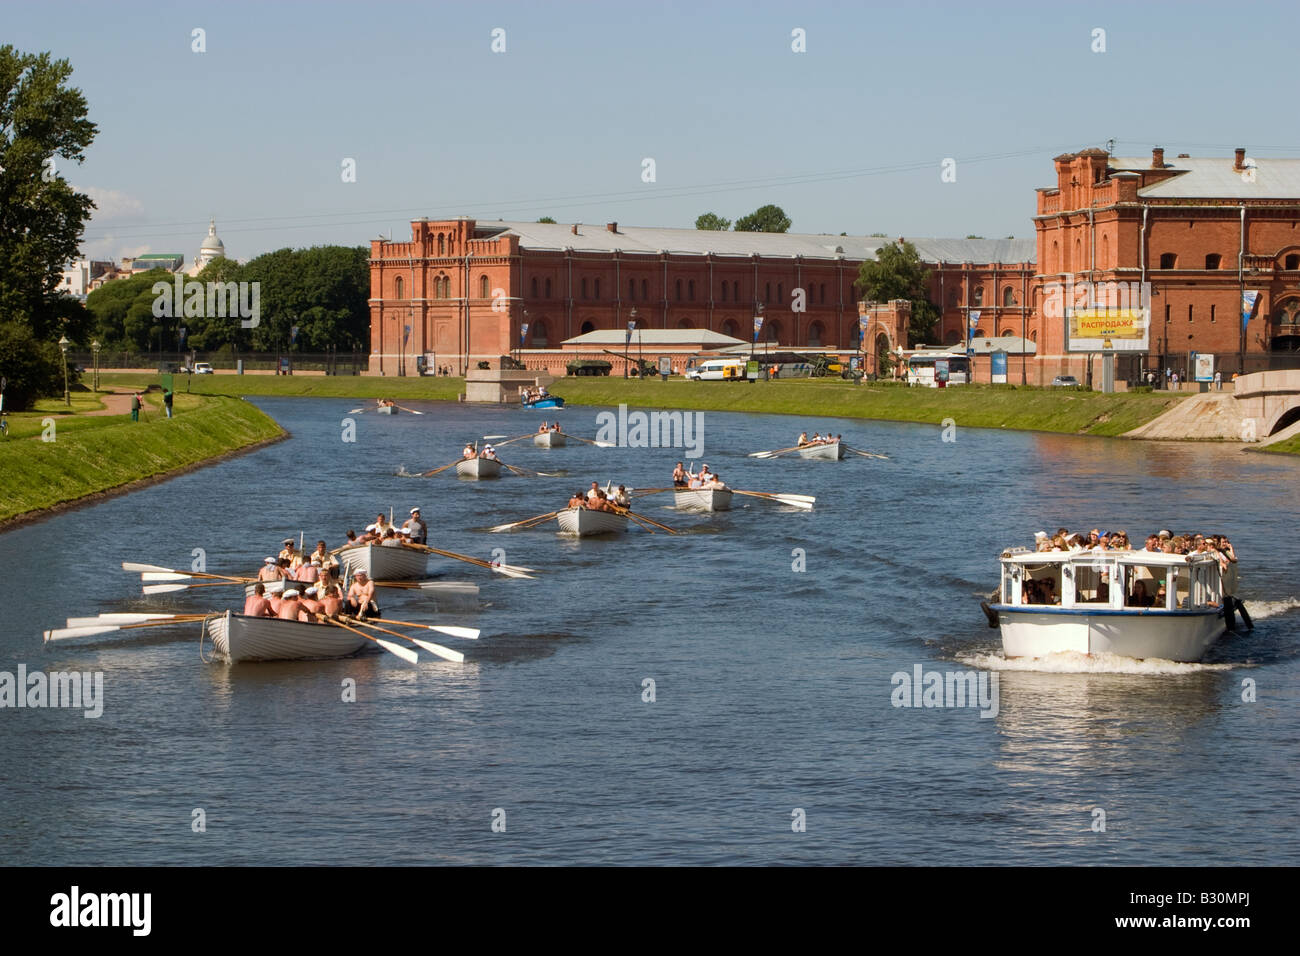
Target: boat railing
[(1120, 581)]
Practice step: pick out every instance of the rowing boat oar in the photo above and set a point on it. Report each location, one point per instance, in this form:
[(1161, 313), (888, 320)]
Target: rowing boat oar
[(865, 454), (156, 569), (508, 440), (468, 633), (405, 653), (173, 588), (405, 409), (649, 491), (641, 522), (154, 577), (456, 657), (516, 524), (59, 633), (450, 587), (638, 517), (118, 617), (598, 444), (508, 570), (772, 454), (526, 473), (795, 501), (430, 474)]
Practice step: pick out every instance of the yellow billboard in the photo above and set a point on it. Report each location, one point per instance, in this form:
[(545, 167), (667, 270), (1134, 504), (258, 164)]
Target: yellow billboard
[(1107, 329)]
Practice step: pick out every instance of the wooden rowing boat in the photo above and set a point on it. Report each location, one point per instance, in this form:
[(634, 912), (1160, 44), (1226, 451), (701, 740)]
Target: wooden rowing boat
[(478, 468), (583, 522), (703, 499), (549, 440), (387, 409), (384, 563), (830, 451), (239, 638)]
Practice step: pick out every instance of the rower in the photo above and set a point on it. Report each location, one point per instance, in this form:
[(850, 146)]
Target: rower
[(291, 607), (577, 501), (489, 452), (803, 439), (270, 570), (417, 532), (555, 427), (256, 604), (623, 499), (390, 539), (309, 572), (469, 452), (361, 596), (309, 603), (679, 476), (332, 601), (543, 428), (593, 493)]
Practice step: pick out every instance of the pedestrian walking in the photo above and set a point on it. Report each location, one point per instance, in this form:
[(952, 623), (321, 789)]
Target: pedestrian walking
[(1218, 381), (167, 402)]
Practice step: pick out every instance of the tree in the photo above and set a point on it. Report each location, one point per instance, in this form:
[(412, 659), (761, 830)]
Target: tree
[(764, 219), (324, 291), (974, 237), (41, 216), (897, 272), (547, 219), (33, 368), (713, 222)]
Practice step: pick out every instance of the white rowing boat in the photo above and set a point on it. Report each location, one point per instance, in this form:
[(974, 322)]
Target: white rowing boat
[(585, 522), (703, 499), (239, 638), (478, 468), (386, 409), (384, 563), (830, 451), (549, 440)]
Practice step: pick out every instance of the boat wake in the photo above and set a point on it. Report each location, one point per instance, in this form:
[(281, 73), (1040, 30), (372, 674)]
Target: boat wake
[(1259, 610), (1071, 662)]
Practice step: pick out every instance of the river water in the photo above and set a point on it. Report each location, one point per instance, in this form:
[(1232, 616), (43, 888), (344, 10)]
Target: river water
[(771, 736)]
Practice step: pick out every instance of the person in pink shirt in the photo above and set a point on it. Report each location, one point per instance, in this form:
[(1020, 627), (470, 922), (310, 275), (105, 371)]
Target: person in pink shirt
[(256, 604)]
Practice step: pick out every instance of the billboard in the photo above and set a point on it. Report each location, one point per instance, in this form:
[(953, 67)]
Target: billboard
[(1107, 330), (999, 367), (1202, 367)]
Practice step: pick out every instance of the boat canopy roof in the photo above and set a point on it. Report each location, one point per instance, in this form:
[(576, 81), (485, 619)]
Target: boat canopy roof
[(1149, 558)]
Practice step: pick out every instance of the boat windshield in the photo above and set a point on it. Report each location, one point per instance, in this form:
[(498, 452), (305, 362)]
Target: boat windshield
[(1118, 581)]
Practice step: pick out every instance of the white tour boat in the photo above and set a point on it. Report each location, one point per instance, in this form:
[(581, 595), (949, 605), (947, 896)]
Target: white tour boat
[(1093, 602), (549, 440), (702, 499), (584, 522), (240, 638), (830, 450), (478, 468)]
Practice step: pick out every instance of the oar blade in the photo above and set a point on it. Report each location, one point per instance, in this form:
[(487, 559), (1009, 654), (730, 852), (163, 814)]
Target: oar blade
[(60, 633), (165, 576), (405, 653), (118, 618), (451, 630), (446, 653), (135, 566), (165, 588)]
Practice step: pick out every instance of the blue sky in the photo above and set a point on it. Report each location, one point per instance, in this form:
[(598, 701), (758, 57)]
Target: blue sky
[(847, 136)]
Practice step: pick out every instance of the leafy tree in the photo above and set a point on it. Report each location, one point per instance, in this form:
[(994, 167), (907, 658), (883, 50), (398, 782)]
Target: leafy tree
[(33, 368), (764, 219), (713, 222), (324, 291), (974, 237), (547, 219), (897, 272), (879, 235), (121, 312), (41, 216)]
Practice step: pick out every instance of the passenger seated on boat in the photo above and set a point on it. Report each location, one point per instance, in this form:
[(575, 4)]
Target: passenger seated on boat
[(270, 570), (593, 493), (541, 391), (390, 539), (489, 453), (469, 453), (555, 427), (361, 596), (525, 396), (1047, 591), (309, 604), (291, 607), (543, 428), (623, 499), (1140, 597), (577, 501), (256, 604), (679, 476), (351, 541), (327, 560), (803, 439), (1162, 596)]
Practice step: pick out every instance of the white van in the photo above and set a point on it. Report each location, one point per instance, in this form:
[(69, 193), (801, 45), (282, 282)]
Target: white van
[(718, 370)]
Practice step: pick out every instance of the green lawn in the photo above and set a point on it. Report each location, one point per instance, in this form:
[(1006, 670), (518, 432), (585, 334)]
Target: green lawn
[(314, 386), (1289, 447), (83, 460)]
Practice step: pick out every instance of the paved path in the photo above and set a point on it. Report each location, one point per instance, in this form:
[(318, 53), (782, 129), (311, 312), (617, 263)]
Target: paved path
[(1211, 416), (115, 403)]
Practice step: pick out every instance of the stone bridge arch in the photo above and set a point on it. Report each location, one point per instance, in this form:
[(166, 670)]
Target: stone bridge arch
[(1271, 399)]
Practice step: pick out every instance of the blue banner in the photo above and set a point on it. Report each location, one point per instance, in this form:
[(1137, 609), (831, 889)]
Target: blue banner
[(1248, 302), (523, 332), (758, 326)]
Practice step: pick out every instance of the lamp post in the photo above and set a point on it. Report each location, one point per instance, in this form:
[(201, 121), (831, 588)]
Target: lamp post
[(94, 347), (63, 347), (627, 340)]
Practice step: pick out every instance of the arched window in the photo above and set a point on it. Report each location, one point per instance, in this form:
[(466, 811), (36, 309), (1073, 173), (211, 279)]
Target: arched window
[(815, 335), (772, 328), (780, 292), (483, 292), (685, 324), (534, 287), (1168, 260), (1056, 255), (1077, 265), (979, 334), (1213, 260), (690, 290), (767, 292), (1008, 296), (729, 328), (1292, 263), (1105, 251), (442, 244), (977, 295), (398, 288), (735, 291), (539, 331), (597, 289), (645, 290), (1033, 335), (584, 287), (587, 327), (1006, 332), (548, 288), (724, 292), (679, 290), (822, 294)]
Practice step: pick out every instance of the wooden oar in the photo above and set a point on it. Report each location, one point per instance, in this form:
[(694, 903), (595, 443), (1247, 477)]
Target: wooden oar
[(864, 454), (469, 633), (173, 588), (430, 474), (794, 502), (598, 444), (516, 524), (526, 473), (119, 618), (641, 522), (437, 649), (155, 577), (508, 440), (404, 653), (451, 587), (144, 569), (650, 521), (507, 569), (773, 454), (649, 491), (59, 633), (405, 409)]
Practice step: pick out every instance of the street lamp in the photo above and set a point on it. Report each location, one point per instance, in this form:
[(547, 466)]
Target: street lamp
[(627, 342), (63, 347), (94, 347)]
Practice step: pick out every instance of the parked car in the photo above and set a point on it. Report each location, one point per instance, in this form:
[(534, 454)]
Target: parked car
[(1068, 381), (203, 368)]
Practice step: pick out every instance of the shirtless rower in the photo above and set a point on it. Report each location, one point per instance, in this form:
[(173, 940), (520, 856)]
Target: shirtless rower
[(543, 428), (256, 604), (679, 476), (577, 501), (270, 570), (469, 452), (332, 601), (309, 604), (361, 596), (555, 427), (291, 607)]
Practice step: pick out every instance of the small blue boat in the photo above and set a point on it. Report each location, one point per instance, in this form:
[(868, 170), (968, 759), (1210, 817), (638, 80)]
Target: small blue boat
[(550, 401)]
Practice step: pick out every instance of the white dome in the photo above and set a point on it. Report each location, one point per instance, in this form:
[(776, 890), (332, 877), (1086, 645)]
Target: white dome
[(211, 244)]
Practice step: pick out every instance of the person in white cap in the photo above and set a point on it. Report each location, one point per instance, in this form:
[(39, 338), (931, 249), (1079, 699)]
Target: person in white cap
[(1042, 542), (416, 531), (291, 607), (488, 452), (309, 602), (270, 570)]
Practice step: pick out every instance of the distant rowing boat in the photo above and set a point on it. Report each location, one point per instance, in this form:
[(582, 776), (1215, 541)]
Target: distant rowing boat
[(703, 499), (830, 451), (550, 401), (387, 409), (240, 638), (585, 522), (549, 440), (478, 468)]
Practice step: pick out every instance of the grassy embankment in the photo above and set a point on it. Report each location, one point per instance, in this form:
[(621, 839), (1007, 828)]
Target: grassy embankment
[(92, 455), (1289, 447), (975, 406)]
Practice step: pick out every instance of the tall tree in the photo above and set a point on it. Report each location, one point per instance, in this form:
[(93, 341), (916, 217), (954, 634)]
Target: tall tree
[(42, 120), (897, 272), (713, 222), (547, 219), (764, 219)]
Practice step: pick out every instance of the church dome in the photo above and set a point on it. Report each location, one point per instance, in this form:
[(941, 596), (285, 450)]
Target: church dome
[(212, 246)]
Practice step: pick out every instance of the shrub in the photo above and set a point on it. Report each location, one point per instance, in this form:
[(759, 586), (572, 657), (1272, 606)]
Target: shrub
[(34, 369)]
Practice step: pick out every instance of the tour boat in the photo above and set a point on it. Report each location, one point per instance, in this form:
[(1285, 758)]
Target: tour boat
[(831, 450), (240, 638), (478, 468), (703, 499), (384, 562), (584, 522), (549, 440), (550, 401), (1095, 608)]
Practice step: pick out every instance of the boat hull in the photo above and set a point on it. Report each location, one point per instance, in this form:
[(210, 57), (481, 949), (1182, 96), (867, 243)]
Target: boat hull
[(717, 499), (479, 468), (584, 523), (387, 409), (1168, 635), (551, 402), (549, 440), (832, 452), (384, 564), (237, 638)]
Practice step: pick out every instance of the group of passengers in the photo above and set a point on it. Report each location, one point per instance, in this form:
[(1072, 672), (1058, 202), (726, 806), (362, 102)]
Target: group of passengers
[(545, 427), (596, 499), (529, 395), (487, 451), (817, 439), (383, 532), (704, 480), (1163, 541)]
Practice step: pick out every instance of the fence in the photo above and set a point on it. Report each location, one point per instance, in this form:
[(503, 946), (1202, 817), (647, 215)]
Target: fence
[(334, 362)]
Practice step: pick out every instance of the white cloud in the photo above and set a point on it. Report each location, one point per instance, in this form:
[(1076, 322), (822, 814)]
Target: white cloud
[(111, 204)]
